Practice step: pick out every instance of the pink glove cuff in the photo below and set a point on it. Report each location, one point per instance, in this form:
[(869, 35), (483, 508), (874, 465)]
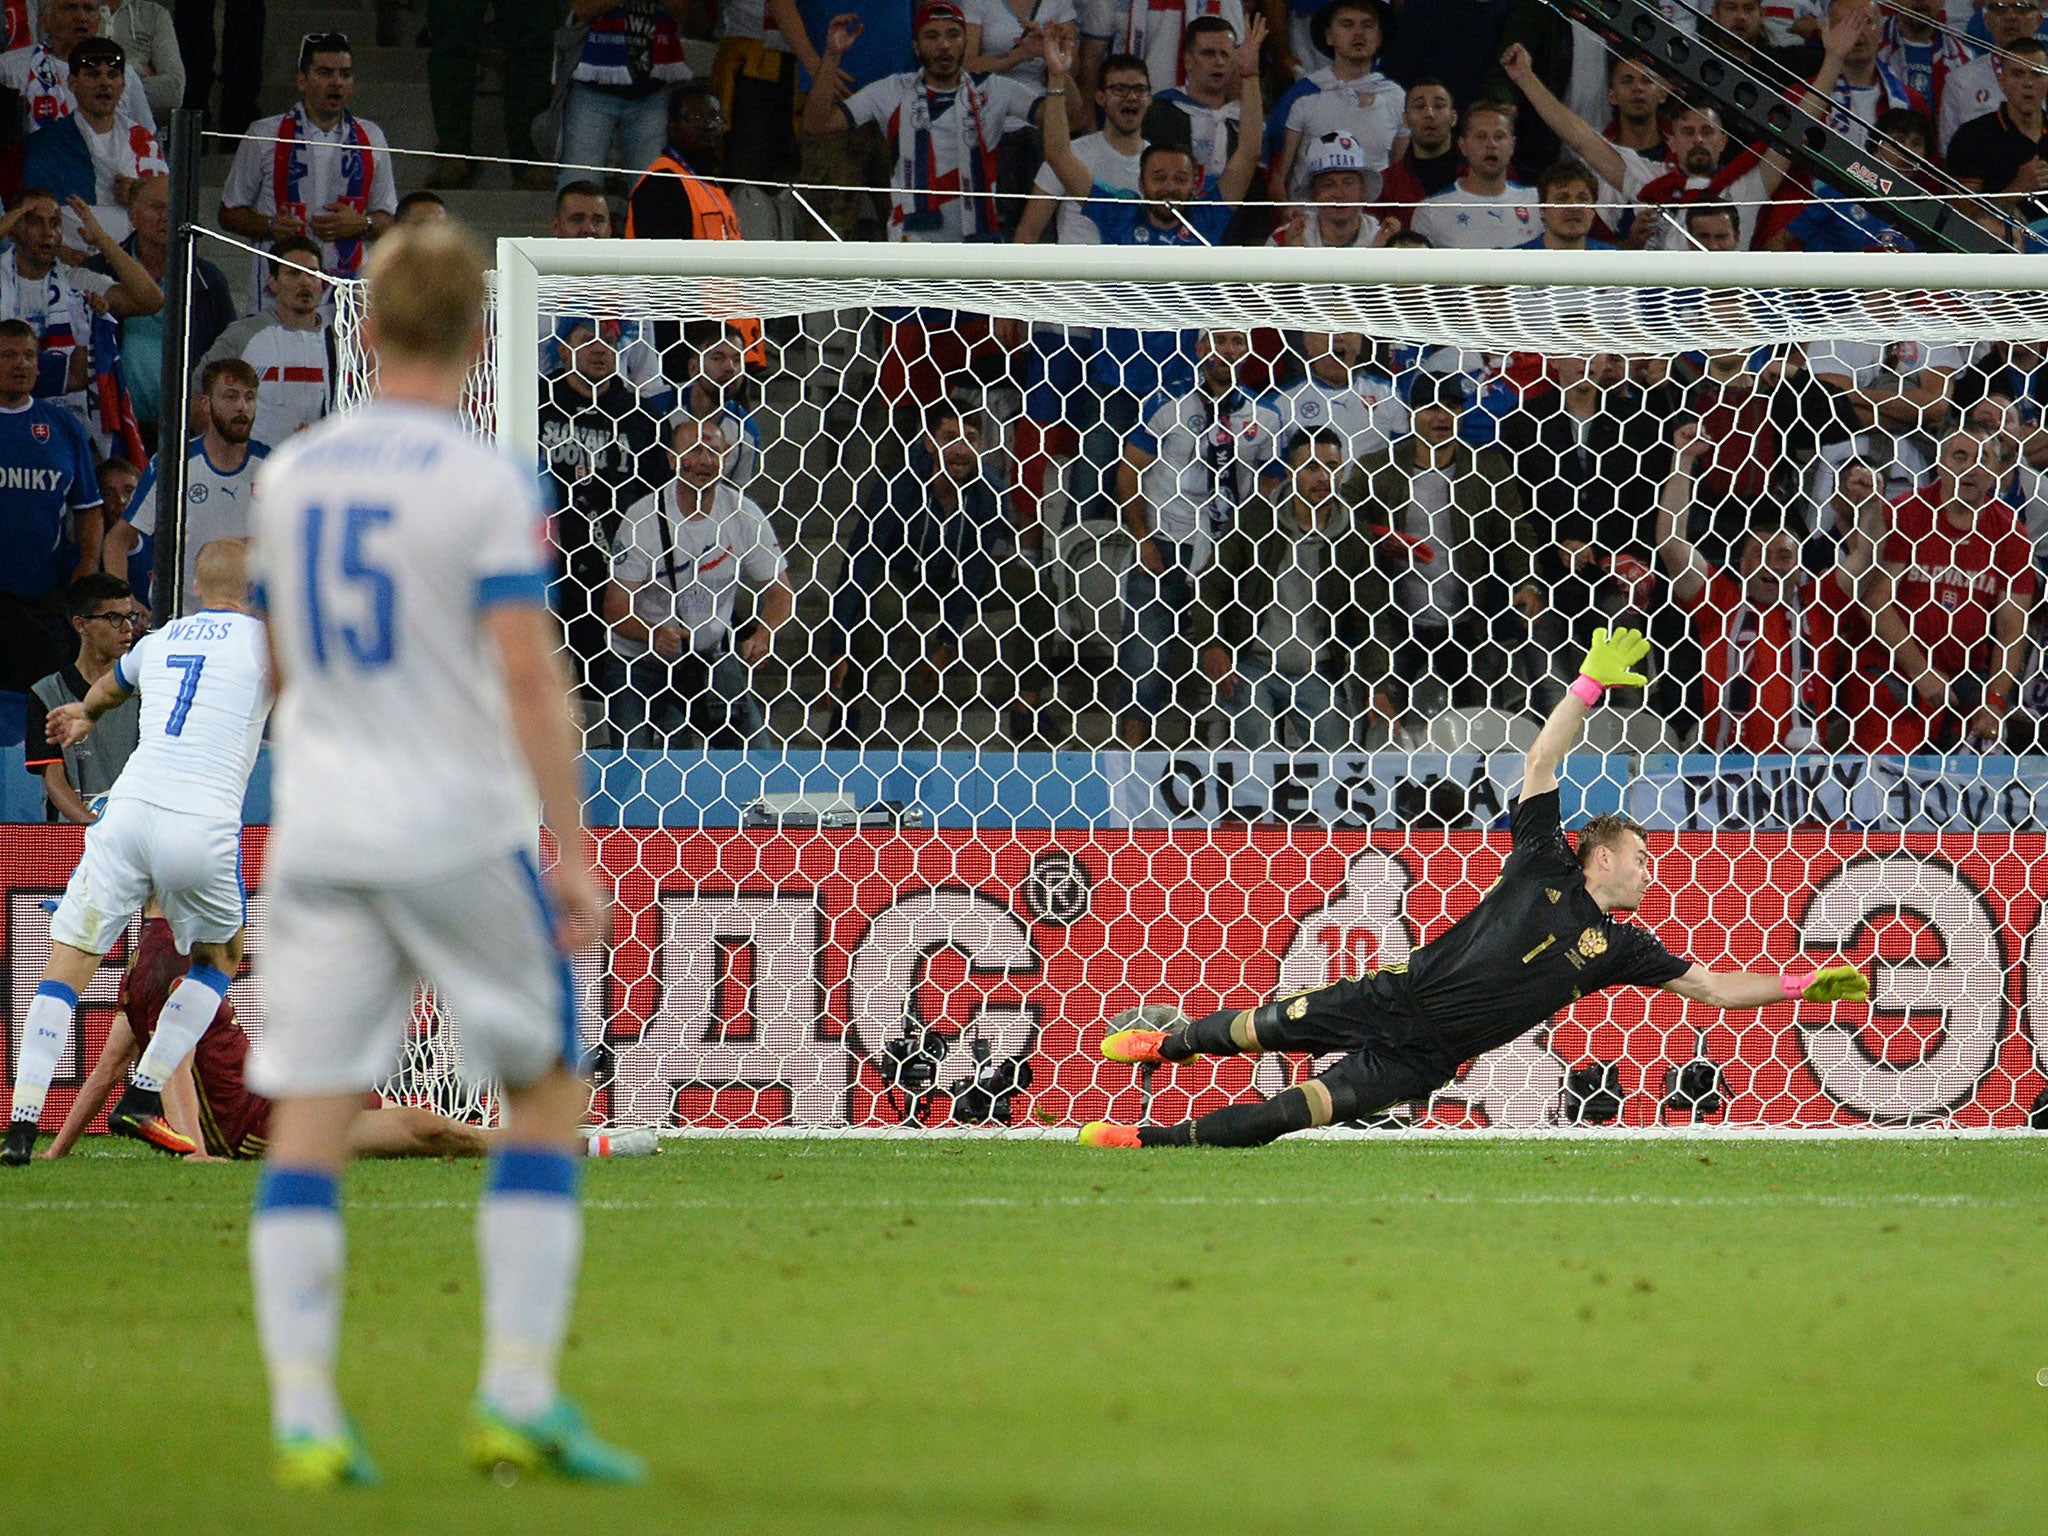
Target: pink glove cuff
[(1588, 691), (1794, 987)]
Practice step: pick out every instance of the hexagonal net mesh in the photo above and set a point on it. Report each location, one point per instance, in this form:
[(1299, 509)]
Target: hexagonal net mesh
[(965, 662)]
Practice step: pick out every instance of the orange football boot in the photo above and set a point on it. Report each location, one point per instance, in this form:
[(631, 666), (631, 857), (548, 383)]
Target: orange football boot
[(1106, 1133), (1137, 1033), (139, 1115)]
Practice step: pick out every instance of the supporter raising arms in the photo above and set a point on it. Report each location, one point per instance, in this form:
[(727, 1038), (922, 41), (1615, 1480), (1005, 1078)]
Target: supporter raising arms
[(942, 124), (1694, 170), (1165, 199)]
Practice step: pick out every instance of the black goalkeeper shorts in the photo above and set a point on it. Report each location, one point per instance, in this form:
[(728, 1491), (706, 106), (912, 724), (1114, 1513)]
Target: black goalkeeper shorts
[(1376, 1069)]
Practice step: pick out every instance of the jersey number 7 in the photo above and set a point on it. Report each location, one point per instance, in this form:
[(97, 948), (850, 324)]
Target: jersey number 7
[(350, 568), (188, 685)]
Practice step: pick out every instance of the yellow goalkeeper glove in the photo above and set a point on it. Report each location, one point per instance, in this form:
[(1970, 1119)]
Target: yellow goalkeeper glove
[(1612, 659), (1831, 984)]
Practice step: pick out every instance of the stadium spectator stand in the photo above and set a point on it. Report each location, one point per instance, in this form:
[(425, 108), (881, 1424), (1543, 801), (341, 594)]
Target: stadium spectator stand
[(1079, 401)]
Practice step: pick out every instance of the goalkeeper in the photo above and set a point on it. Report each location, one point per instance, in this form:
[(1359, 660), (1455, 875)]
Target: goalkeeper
[(1541, 939)]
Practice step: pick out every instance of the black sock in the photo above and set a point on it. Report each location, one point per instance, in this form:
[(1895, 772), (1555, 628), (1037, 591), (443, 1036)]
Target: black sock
[(1236, 1125), (1206, 1036), (141, 1100)]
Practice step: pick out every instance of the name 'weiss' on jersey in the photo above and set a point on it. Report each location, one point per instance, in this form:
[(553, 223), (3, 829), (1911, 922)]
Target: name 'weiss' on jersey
[(205, 686), (383, 538)]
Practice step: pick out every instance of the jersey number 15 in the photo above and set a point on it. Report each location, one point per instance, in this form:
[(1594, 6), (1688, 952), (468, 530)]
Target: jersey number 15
[(338, 566)]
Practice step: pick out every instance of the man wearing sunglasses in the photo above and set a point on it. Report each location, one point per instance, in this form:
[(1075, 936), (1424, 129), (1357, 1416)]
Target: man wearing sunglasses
[(317, 170), (100, 152), (108, 620), (41, 72)]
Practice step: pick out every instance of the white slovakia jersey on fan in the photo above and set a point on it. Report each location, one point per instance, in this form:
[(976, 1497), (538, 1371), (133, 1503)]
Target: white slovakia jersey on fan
[(1109, 165), (1366, 411), (205, 686), (1479, 221), (383, 537)]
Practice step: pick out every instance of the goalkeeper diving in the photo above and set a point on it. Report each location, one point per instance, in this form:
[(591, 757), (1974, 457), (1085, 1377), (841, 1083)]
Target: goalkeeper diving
[(1542, 938)]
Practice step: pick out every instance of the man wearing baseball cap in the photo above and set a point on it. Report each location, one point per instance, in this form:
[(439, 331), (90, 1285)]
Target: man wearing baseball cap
[(943, 127)]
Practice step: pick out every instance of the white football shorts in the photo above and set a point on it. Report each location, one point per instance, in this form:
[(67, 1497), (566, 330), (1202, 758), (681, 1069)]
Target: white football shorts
[(340, 964), (193, 865)]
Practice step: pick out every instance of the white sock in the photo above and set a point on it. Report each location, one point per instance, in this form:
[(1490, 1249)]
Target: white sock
[(529, 1238), (295, 1258), (44, 1034), (186, 1013)]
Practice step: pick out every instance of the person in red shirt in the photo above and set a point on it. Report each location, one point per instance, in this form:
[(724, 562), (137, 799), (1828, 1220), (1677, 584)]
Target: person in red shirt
[(1954, 583), (1767, 631), (221, 1112)]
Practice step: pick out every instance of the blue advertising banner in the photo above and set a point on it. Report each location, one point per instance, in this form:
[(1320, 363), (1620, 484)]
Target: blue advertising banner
[(1704, 793)]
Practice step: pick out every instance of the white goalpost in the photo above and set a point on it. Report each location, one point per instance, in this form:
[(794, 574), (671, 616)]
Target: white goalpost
[(894, 898)]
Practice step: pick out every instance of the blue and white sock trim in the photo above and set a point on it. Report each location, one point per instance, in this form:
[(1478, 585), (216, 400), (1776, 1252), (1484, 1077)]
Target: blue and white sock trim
[(532, 1171), (210, 977), (296, 1189)]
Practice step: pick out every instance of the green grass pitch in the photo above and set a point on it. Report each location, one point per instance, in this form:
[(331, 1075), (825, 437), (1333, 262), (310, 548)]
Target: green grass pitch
[(961, 1336)]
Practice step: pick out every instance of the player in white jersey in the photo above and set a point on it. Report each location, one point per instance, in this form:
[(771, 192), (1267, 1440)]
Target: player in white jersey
[(172, 826), (422, 701)]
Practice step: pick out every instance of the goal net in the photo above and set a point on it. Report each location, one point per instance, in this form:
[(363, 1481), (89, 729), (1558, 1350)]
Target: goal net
[(974, 643)]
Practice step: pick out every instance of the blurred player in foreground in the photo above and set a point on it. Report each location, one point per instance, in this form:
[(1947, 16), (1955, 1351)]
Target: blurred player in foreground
[(173, 826), (422, 703), (223, 1116), (1542, 938)]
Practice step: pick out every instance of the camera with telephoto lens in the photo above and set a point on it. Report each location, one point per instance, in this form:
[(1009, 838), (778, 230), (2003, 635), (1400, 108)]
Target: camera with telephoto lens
[(909, 1068), (989, 1098), (1593, 1094), (1696, 1089)]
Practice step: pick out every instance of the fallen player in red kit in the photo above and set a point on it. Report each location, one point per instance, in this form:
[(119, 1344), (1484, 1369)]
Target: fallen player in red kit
[(233, 1122)]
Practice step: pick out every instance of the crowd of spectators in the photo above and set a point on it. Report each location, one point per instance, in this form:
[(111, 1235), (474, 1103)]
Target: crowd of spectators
[(1488, 508), (1330, 540)]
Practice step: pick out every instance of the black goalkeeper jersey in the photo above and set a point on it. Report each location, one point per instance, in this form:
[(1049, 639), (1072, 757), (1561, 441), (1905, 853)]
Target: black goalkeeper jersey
[(1537, 942)]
